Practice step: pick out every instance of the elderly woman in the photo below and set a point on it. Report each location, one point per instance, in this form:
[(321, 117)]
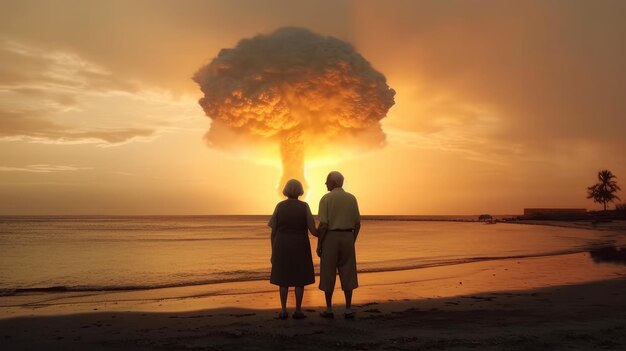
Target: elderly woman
[(292, 264)]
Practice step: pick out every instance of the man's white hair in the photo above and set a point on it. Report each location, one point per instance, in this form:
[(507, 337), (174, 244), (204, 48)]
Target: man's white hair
[(335, 177)]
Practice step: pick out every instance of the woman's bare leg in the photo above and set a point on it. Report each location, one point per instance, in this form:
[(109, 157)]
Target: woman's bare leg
[(299, 294), (283, 290)]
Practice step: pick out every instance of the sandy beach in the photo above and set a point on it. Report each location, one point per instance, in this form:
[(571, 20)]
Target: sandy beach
[(582, 317), (552, 302)]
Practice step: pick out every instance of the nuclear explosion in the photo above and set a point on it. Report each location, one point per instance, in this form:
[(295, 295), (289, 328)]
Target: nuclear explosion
[(295, 88)]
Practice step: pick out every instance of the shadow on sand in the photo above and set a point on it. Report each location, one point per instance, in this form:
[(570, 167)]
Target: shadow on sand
[(609, 254), (586, 316)]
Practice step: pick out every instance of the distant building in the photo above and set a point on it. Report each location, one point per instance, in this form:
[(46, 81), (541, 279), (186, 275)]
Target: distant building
[(557, 211)]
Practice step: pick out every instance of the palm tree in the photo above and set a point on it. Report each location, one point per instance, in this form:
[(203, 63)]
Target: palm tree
[(604, 191)]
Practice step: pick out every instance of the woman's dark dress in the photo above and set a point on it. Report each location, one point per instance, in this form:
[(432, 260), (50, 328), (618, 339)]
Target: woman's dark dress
[(292, 264)]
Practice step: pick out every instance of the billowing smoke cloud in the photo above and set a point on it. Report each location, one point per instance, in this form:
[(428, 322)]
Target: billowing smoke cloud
[(295, 88)]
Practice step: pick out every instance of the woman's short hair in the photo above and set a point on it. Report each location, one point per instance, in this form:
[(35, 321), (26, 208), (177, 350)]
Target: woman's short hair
[(293, 188)]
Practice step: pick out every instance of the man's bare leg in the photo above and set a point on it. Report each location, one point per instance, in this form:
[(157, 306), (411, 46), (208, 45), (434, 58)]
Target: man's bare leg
[(329, 305), (349, 313), (329, 300), (348, 294)]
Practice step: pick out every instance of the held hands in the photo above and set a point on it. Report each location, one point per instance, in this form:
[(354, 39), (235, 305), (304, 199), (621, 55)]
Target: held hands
[(321, 232)]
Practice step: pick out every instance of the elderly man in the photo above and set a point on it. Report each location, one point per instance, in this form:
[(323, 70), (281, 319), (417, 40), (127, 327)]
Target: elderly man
[(340, 222)]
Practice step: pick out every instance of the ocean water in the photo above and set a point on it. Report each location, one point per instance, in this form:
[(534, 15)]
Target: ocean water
[(49, 254)]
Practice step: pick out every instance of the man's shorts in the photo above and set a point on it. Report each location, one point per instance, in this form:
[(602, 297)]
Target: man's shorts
[(338, 255)]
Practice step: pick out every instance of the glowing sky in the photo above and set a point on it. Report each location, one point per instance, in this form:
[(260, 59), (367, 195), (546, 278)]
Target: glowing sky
[(498, 106)]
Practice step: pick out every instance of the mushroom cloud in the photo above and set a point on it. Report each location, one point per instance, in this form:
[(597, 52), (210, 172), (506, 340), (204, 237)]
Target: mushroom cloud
[(297, 89)]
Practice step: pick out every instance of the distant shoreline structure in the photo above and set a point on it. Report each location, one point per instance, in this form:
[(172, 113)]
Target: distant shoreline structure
[(52, 218), (534, 211), (559, 214)]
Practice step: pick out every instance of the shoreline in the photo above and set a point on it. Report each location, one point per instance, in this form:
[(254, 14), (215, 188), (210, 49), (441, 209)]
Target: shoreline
[(43, 291), (431, 282)]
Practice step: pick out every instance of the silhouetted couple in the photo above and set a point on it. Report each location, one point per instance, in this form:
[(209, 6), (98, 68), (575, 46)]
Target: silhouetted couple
[(292, 262)]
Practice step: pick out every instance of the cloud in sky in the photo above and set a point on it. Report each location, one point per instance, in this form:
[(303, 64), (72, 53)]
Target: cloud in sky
[(58, 97), (33, 66), (37, 87), (34, 126), (43, 168)]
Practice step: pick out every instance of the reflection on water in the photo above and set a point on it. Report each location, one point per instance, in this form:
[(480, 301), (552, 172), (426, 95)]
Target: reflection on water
[(610, 254), (43, 254)]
